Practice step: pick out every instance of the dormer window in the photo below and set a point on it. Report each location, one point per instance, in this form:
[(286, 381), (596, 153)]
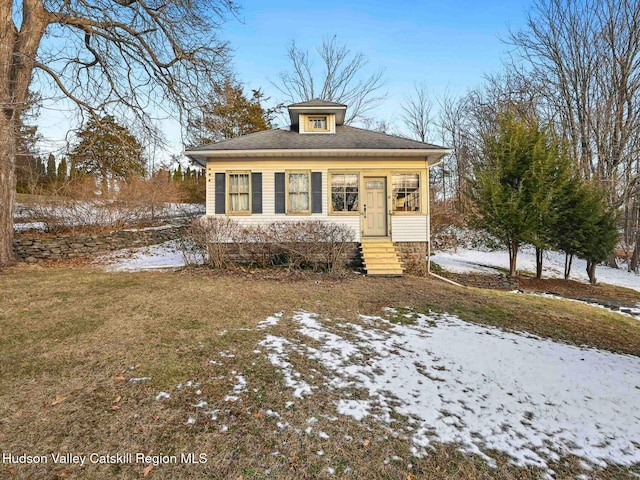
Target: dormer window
[(317, 123)]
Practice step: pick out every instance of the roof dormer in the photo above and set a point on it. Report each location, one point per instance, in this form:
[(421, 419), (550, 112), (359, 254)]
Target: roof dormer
[(316, 116)]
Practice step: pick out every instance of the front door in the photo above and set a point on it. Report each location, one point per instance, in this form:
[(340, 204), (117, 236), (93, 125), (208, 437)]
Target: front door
[(375, 207)]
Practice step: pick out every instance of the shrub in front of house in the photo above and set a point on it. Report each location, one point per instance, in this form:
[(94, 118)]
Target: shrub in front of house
[(315, 245)]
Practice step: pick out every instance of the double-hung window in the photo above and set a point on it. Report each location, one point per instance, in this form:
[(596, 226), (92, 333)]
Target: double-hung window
[(318, 123), (406, 192), (239, 192), (298, 192)]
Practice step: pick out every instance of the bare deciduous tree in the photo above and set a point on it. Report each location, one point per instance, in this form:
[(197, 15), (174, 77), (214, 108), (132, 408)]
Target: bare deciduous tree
[(584, 56), (102, 55), (416, 112), (340, 78)]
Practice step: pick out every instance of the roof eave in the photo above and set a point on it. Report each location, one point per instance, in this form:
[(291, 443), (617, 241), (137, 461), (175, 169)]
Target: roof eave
[(434, 155)]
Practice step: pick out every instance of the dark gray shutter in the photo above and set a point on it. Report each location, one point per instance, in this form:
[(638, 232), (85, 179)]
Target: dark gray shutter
[(220, 193), (280, 195), (316, 192), (256, 192)]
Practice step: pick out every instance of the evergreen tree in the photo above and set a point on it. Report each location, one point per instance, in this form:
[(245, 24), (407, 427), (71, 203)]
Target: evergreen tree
[(513, 189), (228, 113), (551, 170), (585, 225), (62, 171), (599, 233), (108, 150), (177, 174), (51, 169), (41, 170)]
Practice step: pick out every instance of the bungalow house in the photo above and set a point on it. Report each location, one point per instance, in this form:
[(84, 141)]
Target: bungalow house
[(320, 169)]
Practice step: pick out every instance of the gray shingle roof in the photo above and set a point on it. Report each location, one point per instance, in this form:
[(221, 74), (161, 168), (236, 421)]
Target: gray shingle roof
[(345, 138), (317, 102)]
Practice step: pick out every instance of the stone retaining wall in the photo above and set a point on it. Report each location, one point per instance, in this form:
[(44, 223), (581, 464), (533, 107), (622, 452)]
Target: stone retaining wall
[(32, 249)]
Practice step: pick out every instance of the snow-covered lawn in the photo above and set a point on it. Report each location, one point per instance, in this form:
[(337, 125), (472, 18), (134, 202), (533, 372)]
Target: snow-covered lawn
[(468, 260), (164, 255), (486, 390)]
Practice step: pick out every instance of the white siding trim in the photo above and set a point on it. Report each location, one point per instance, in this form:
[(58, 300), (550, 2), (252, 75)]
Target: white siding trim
[(409, 228)]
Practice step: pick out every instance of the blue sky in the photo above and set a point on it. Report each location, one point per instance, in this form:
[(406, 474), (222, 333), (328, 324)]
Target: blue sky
[(445, 44), (448, 45)]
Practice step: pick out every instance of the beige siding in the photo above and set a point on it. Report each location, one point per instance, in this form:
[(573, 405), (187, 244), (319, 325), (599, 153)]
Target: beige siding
[(404, 228), (268, 203), (409, 228), (211, 191)]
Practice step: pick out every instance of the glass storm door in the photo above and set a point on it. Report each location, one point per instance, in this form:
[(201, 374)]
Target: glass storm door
[(375, 207)]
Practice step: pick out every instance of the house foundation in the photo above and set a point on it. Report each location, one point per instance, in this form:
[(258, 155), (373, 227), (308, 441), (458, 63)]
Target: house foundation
[(413, 255)]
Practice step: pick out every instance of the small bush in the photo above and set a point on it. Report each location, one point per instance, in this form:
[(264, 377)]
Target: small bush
[(316, 245)]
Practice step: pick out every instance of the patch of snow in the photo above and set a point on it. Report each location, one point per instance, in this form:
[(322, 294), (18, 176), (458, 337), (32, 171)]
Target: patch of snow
[(161, 256), (227, 355), (22, 227), (200, 404), (231, 398), (358, 409), (162, 395), (279, 358), (241, 386), (487, 390), (224, 428), (323, 435), (187, 384), (191, 421), (139, 379), (467, 260), (626, 311), (453, 263), (270, 321)]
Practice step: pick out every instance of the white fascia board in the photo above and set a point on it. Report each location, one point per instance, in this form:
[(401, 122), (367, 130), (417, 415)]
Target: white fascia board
[(434, 154)]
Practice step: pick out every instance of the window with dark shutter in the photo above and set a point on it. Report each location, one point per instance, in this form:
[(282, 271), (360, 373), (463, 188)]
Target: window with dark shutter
[(280, 196), (220, 193), (256, 192), (316, 192)]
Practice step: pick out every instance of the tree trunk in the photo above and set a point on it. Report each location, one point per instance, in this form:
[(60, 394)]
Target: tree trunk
[(513, 258), (612, 261), (591, 271), (7, 188), (635, 257), (568, 259), (539, 253)]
